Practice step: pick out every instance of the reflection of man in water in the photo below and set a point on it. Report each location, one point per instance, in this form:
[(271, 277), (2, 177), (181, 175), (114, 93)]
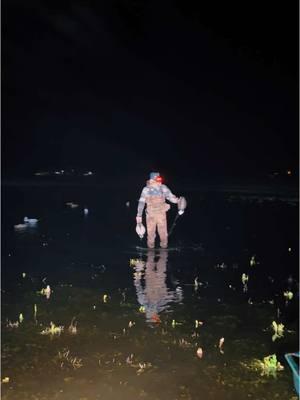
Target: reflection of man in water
[(151, 287)]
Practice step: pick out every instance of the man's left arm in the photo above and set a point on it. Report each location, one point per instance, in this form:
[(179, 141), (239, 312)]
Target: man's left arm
[(169, 195)]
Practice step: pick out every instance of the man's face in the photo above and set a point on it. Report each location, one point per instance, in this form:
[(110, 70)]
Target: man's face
[(154, 183)]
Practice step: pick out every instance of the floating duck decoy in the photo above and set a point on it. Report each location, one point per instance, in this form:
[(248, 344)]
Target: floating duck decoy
[(71, 204), (30, 220), (20, 226)]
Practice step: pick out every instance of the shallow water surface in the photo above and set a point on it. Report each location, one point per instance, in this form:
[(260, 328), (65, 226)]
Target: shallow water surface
[(133, 320)]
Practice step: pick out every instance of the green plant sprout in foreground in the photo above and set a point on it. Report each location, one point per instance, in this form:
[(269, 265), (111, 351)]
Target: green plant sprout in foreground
[(46, 292), (53, 330), (252, 261), (245, 278), (136, 262), (278, 330), (268, 367), (65, 359), (288, 295)]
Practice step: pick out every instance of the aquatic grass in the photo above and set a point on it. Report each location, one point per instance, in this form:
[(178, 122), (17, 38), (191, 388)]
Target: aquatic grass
[(278, 330), (53, 330), (101, 334), (268, 366), (65, 360)]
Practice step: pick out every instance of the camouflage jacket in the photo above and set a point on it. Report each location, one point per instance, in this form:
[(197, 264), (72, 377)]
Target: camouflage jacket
[(155, 197)]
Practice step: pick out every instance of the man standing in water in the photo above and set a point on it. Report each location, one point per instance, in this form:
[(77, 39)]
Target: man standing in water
[(155, 195)]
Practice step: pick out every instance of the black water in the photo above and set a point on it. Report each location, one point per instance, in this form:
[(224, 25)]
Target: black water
[(136, 311)]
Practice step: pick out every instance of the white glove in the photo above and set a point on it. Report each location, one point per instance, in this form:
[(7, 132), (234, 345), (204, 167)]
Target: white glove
[(138, 220), (180, 212)]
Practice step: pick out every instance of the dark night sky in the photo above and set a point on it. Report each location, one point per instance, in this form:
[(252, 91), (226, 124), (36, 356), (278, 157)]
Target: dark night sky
[(127, 85)]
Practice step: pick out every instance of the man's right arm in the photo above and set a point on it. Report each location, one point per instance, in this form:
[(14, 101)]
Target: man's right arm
[(141, 204)]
